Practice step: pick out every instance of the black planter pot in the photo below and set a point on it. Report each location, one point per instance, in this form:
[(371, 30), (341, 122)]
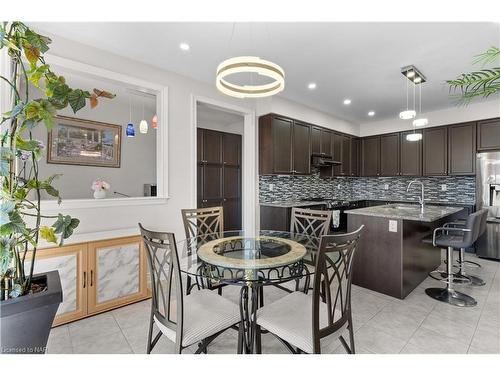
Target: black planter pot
[(26, 321)]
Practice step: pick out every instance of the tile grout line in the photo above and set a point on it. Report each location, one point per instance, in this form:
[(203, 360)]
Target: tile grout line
[(124, 336)]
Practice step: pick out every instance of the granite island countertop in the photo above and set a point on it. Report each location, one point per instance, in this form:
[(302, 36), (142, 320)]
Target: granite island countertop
[(407, 212)]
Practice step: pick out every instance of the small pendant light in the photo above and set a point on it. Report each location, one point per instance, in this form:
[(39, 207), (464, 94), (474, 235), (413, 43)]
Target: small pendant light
[(143, 126), (154, 122), (130, 126)]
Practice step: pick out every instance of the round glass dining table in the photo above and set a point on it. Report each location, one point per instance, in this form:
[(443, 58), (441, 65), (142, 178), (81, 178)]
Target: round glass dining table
[(252, 261)]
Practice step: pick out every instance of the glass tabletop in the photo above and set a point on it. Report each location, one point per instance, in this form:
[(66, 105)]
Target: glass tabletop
[(235, 256)]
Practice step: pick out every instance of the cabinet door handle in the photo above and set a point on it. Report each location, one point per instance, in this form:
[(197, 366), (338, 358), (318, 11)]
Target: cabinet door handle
[(91, 277), (84, 279)]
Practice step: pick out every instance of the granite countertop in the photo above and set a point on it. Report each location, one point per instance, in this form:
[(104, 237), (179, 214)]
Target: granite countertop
[(407, 212)]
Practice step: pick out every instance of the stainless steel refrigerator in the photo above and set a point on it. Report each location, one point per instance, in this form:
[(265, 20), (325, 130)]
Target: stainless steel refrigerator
[(488, 196)]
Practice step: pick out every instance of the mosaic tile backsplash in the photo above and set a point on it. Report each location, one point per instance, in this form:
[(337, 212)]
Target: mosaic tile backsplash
[(459, 189)]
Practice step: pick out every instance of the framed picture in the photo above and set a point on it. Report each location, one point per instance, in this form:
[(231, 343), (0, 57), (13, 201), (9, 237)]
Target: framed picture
[(84, 142)]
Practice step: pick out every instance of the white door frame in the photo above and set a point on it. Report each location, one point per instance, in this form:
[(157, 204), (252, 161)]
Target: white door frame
[(249, 158)]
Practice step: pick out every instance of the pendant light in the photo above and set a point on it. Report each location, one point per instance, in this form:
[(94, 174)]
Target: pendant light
[(420, 121), (408, 114), (130, 131), (143, 126)]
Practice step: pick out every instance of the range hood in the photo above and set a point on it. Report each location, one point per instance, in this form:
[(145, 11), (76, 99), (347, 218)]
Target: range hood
[(321, 161)]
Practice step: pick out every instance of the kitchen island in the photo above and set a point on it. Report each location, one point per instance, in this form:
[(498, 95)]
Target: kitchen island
[(394, 255)]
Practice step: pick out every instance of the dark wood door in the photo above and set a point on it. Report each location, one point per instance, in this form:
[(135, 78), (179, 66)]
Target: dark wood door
[(315, 140), (219, 182), (435, 151), (488, 135), (301, 148), (389, 155), (282, 145), (326, 142), (355, 157), (462, 149), (410, 156), (370, 156)]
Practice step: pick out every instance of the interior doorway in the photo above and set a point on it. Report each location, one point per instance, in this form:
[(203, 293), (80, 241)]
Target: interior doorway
[(219, 139)]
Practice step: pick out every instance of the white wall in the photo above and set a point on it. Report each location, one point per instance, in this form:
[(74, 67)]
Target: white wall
[(236, 128), (472, 112), (299, 111)]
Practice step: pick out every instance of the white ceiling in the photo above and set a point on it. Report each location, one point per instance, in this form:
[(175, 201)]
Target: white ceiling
[(360, 61)]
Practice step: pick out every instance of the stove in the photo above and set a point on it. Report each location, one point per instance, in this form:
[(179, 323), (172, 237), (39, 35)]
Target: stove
[(330, 204)]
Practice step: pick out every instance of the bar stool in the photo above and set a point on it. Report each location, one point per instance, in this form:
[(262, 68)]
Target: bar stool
[(455, 238), (462, 264)]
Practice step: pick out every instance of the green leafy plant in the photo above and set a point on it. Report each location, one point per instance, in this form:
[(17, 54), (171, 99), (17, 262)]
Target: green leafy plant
[(20, 214), (481, 83)]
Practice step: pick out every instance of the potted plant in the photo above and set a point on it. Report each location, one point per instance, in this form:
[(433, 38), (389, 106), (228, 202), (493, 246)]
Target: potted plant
[(28, 302), (100, 186)]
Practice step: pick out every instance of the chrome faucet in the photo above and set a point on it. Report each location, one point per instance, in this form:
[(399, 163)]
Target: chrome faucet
[(421, 198)]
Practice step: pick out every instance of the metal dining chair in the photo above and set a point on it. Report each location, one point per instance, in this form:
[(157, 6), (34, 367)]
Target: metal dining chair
[(306, 323), (313, 224), (185, 320), (202, 225)]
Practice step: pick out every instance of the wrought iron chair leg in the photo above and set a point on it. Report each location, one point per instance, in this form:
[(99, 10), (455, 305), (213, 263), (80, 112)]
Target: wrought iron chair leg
[(344, 344), (150, 334), (241, 332), (258, 340), (219, 290), (188, 285), (351, 336)]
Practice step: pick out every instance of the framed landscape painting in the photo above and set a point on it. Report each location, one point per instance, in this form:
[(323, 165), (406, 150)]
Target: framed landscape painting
[(84, 142)]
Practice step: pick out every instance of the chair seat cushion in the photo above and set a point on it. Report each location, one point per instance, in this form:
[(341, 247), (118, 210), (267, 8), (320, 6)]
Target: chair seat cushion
[(291, 319), (455, 241), (205, 313)]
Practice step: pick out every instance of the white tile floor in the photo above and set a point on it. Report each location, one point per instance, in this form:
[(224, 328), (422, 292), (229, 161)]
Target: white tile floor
[(417, 324)]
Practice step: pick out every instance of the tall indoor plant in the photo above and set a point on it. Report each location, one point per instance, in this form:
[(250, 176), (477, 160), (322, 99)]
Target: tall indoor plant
[(481, 83), (25, 296)]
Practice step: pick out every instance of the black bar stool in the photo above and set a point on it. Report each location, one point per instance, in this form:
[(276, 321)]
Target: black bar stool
[(463, 264), (455, 238)]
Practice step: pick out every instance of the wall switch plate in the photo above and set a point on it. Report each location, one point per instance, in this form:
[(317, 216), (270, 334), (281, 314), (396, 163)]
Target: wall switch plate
[(444, 187), (386, 186), (393, 226), (271, 187)]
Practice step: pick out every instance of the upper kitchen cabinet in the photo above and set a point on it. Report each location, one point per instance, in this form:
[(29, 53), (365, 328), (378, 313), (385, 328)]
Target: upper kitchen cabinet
[(284, 146), (462, 149), (321, 142), (488, 135), (435, 151), (341, 151), (355, 147), (410, 156), (370, 159), (389, 151)]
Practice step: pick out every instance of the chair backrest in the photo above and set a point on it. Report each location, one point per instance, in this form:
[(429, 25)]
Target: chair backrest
[(204, 223), (166, 282), (332, 283), (473, 224), (310, 222), (482, 226)]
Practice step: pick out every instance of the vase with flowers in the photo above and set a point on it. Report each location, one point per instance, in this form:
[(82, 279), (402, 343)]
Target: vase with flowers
[(100, 186)]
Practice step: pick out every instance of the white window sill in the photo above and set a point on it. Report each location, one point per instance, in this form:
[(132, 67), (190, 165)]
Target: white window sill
[(51, 205)]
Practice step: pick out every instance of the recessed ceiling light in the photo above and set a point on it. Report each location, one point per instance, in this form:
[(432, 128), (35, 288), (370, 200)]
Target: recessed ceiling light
[(311, 86), (347, 101), (371, 113), (184, 46)]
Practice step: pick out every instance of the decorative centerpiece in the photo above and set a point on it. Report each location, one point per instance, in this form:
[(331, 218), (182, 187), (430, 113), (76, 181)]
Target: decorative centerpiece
[(100, 186)]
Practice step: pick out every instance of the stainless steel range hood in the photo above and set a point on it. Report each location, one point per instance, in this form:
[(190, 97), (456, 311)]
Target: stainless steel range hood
[(320, 161)]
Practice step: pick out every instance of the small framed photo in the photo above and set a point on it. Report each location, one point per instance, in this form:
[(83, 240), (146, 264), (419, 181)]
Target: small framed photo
[(84, 142)]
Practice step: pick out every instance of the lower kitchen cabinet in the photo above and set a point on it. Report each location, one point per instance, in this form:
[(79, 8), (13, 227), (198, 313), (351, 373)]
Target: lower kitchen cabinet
[(96, 276), (118, 272), (71, 262)]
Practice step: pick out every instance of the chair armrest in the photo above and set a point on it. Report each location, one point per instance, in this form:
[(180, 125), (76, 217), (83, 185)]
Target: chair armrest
[(447, 229), (455, 224)]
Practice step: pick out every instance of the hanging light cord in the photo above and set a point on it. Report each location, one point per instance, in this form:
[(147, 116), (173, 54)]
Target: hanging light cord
[(130, 108)]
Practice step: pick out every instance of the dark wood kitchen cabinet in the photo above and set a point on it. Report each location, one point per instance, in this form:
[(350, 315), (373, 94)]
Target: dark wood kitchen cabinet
[(410, 156), (488, 135), (462, 149), (219, 174), (341, 151), (370, 156), (435, 151), (321, 142), (355, 146), (389, 154), (284, 146)]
